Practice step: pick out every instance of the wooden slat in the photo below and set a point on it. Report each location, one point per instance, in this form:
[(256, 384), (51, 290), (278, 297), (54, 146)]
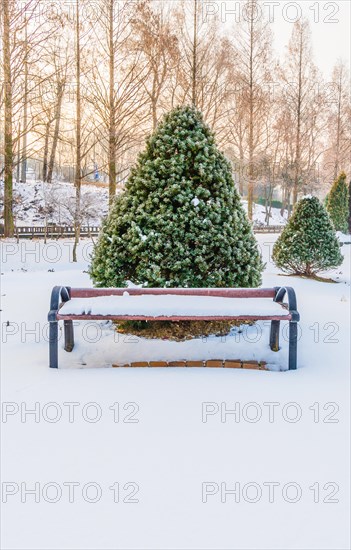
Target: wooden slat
[(219, 292), (285, 317)]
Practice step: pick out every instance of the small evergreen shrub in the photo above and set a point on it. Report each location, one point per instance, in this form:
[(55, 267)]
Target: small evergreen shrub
[(180, 221), (338, 203), (308, 243)]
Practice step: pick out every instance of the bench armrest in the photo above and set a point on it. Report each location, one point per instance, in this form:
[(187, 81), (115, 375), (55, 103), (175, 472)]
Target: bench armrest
[(292, 301), (59, 294)]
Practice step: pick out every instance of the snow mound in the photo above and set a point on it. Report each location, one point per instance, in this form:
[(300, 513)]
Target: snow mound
[(172, 306)]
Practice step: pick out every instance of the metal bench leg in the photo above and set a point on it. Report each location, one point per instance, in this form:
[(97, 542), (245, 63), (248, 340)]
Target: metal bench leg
[(69, 335), (53, 343), (292, 345), (274, 336)]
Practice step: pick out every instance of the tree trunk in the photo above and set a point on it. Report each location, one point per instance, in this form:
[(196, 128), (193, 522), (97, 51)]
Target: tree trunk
[(8, 140), (298, 129), (268, 203), (60, 90), (337, 148), (288, 203), (283, 201), (112, 111), (25, 109), (78, 171), (18, 163), (154, 113), (194, 68), (46, 151), (250, 190), (241, 170)]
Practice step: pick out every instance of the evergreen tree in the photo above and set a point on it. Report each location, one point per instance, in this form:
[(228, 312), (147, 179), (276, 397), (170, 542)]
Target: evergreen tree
[(179, 221), (308, 243), (338, 204)]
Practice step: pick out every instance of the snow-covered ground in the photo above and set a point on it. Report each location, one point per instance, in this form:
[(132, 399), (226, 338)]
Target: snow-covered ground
[(35, 199), (171, 458), (259, 215)]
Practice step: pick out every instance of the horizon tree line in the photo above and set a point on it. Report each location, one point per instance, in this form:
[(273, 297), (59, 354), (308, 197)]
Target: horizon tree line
[(85, 87)]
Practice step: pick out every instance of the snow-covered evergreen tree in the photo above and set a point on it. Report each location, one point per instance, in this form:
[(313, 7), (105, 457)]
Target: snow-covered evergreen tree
[(179, 221), (338, 203), (308, 243)]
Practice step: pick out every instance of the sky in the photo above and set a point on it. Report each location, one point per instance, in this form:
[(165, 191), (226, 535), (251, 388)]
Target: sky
[(330, 26), (329, 20)]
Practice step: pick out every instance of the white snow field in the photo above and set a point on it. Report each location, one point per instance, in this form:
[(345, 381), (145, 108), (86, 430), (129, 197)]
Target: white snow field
[(94, 457), (37, 200)]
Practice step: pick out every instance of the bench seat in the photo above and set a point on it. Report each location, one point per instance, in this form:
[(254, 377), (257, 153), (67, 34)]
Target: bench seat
[(173, 304), (168, 307)]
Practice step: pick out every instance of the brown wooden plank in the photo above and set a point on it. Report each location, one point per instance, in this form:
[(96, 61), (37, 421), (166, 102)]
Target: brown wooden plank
[(197, 364), (251, 365), (214, 363), (219, 292), (233, 364), (285, 317)]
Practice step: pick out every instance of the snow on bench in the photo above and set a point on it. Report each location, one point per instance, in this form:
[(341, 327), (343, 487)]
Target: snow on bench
[(173, 307), (173, 304)]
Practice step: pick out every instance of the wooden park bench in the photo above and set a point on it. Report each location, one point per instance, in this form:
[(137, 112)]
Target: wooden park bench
[(173, 304)]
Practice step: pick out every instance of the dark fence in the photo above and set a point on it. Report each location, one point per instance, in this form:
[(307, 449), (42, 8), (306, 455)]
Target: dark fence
[(57, 232), (268, 228), (51, 231)]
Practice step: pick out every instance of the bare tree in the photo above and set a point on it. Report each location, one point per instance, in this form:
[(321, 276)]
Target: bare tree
[(203, 73), (49, 204), (30, 33), (22, 39), (118, 106), (153, 36), (298, 75), (253, 48), (78, 166), (195, 45), (8, 147), (137, 59), (25, 104), (47, 108), (339, 120), (60, 62), (195, 38)]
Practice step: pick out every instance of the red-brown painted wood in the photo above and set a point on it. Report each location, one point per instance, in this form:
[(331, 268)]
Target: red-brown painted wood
[(219, 292), (286, 317)]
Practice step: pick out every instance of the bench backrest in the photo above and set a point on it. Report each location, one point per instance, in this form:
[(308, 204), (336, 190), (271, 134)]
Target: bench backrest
[(220, 292)]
